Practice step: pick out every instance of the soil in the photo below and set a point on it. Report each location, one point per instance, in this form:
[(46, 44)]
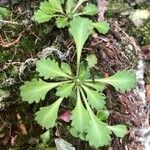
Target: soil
[(23, 43)]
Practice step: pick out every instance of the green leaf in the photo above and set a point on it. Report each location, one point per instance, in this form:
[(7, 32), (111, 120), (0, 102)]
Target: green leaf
[(98, 134), (91, 60), (66, 68), (122, 80), (84, 72), (35, 90), (48, 68), (47, 8), (119, 130), (103, 115), (102, 27), (80, 29), (95, 85), (69, 6), (41, 17), (4, 12), (90, 10), (76, 134), (45, 136), (80, 117), (56, 4), (65, 90), (47, 116), (62, 22), (95, 99)]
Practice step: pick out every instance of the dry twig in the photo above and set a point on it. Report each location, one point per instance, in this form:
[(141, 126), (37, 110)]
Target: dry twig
[(8, 22), (9, 44)]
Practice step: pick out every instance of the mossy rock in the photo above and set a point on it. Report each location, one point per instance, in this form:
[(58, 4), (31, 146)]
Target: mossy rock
[(116, 7), (143, 33)]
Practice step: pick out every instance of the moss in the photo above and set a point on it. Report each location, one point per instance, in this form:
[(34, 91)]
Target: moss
[(144, 5), (28, 44), (116, 6), (34, 41), (5, 56), (143, 33)]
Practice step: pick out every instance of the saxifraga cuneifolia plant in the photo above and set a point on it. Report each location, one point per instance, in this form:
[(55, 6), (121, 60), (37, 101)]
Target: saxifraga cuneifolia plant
[(89, 116)]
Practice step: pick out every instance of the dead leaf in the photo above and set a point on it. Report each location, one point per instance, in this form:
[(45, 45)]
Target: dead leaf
[(21, 125), (66, 116), (9, 44), (106, 75), (13, 139)]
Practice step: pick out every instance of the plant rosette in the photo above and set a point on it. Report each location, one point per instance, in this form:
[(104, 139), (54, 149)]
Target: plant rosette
[(89, 117)]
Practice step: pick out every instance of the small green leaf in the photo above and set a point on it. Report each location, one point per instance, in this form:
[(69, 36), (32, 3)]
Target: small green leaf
[(80, 29), (65, 90), (62, 22), (66, 68), (80, 117), (48, 68), (102, 27), (119, 130), (47, 8), (40, 16), (95, 99), (45, 136), (122, 80), (35, 90), (95, 85), (69, 6), (103, 115), (4, 12), (76, 134), (82, 136), (98, 134), (90, 10), (84, 72), (56, 4), (91, 60), (47, 116)]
